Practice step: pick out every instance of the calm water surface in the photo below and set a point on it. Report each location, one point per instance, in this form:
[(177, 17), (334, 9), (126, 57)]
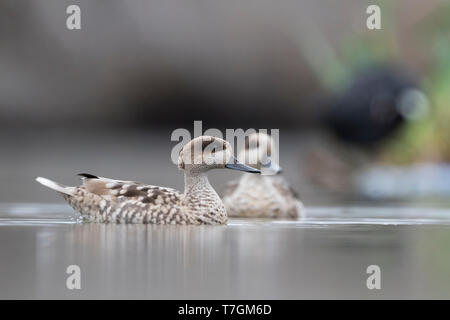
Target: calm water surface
[(322, 256)]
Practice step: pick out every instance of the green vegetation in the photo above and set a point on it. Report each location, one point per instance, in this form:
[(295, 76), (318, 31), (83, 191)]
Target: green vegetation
[(429, 138)]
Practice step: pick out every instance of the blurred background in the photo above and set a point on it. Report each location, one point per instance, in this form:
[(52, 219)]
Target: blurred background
[(363, 114), (364, 125)]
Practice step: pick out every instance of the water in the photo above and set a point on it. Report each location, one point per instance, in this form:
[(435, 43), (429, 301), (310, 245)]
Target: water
[(322, 256)]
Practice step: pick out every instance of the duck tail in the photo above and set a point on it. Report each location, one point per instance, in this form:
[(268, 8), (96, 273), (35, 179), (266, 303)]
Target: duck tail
[(55, 186)]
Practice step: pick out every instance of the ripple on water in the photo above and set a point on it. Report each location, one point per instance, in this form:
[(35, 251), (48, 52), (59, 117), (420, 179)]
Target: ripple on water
[(39, 214)]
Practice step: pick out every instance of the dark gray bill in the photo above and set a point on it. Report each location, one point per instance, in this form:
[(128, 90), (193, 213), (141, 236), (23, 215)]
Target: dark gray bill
[(235, 165), (270, 167)]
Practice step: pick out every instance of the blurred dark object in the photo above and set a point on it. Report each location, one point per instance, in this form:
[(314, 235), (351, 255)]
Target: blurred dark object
[(369, 111)]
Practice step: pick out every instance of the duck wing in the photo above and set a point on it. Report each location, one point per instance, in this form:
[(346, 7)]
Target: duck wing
[(110, 200), (295, 207), (121, 190), (284, 188)]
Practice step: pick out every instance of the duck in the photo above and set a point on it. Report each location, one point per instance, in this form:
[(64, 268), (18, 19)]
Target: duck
[(261, 196), (106, 200)]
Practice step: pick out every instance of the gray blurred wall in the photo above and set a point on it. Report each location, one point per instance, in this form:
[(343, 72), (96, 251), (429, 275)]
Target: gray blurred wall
[(170, 62)]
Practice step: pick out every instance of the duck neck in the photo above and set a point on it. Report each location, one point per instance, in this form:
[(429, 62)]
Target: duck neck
[(202, 200)]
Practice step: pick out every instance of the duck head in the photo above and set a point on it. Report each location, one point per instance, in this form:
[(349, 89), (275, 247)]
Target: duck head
[(206, 152), (257, 153)]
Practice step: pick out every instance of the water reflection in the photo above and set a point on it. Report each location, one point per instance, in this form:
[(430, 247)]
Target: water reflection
[(137, 260), (246, 259)]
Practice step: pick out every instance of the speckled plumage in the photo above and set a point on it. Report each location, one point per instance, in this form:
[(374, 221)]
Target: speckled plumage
[(114, 201), (261, 196)]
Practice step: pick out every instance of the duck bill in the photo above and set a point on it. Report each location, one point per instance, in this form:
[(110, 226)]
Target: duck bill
[(271, 168), (235, 165)]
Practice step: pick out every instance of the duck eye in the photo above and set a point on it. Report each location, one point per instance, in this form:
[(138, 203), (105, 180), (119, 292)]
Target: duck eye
[(206, 143)]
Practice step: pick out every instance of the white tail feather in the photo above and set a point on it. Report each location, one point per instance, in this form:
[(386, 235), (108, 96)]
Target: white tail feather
[(55, 186)]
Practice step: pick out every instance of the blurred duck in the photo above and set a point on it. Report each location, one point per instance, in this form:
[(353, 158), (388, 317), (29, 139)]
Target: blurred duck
[(261, 196), (114, 201)]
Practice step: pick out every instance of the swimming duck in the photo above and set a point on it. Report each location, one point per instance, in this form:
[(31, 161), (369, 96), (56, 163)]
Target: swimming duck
[(261, 196), (107, 200)]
